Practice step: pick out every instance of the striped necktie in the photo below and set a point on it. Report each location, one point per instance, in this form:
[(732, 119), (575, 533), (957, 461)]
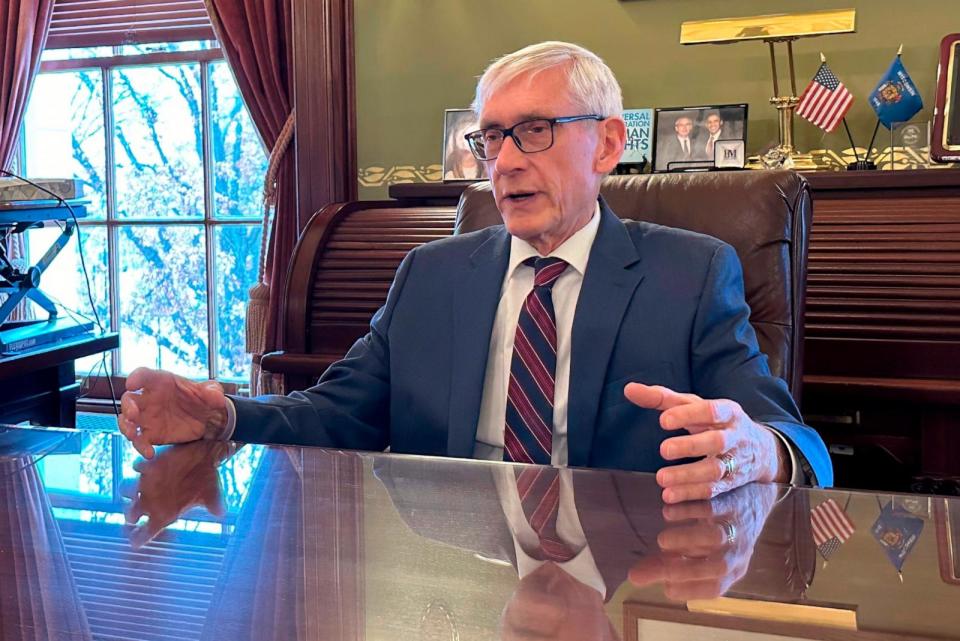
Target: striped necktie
[(539, 489), (528, 433)]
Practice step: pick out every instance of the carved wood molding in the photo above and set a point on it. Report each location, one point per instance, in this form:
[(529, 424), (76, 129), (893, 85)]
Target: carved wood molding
[(325, 100)]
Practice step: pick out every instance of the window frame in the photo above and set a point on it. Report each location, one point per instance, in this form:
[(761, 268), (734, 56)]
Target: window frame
[(97, 387)]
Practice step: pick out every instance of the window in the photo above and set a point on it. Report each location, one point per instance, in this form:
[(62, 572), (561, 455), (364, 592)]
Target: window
[(173, 170)]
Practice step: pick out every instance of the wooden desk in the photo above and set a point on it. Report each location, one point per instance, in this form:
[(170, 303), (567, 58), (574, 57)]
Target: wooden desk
[(40, 385), (317, 544)]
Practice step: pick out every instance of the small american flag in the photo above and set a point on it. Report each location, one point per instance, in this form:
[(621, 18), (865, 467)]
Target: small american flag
[(831, 527), (825, 101)]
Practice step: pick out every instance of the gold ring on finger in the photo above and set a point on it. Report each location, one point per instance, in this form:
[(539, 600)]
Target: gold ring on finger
[(729, 531)]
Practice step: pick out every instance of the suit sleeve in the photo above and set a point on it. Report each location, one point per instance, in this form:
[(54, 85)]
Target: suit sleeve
[(350, 405), (728, 363)]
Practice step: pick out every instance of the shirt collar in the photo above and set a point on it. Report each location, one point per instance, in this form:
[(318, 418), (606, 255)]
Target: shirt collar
[(574, 250)]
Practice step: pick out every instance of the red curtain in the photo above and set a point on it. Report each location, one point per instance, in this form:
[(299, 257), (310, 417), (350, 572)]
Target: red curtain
[(23, 25), (257, 40)]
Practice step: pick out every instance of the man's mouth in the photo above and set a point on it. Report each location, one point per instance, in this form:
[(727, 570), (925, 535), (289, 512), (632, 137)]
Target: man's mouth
[(520, 196)]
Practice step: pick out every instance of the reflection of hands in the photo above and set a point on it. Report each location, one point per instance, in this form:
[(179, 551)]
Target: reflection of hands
[(159, 407), (550, 604), (706, 547), (179, 478), (717, 427)]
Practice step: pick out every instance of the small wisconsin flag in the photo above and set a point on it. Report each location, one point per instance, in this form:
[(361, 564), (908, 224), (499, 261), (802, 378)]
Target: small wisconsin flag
[(825, 101), (897, 531), (831, 527), (896, 98)]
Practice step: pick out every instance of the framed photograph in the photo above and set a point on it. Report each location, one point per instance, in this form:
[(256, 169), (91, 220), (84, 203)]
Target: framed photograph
[(945, 145), (749, 620), (686, 137), (947, 517), (459, 163)]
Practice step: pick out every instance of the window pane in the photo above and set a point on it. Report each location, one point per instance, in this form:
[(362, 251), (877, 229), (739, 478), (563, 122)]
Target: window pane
[(163, 299), (64, 132), (64, 282), (163, 47), (89, 473), (239, 160), (238, 248), (74, 54), (157, 141)]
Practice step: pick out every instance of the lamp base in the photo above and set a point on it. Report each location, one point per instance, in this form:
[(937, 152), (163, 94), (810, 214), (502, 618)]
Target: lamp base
[(862, 165)]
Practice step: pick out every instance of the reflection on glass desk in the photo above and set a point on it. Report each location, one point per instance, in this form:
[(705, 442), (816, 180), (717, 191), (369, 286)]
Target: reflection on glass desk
[(228, 541)]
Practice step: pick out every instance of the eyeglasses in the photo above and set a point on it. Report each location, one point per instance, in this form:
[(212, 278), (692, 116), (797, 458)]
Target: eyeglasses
[(530, 136)]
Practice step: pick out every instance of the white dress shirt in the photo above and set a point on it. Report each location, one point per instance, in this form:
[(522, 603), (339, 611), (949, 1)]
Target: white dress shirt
[(711, 142), (582, 566), (517, 283)]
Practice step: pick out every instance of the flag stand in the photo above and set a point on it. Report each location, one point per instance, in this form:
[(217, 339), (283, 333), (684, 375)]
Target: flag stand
[(873, 139), (860, 165)]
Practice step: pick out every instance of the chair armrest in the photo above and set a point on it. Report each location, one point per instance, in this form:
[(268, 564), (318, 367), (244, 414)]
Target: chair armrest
[(291, 363)]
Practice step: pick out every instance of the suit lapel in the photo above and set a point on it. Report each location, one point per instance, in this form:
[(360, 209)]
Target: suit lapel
[(475, 307), (613, 274)]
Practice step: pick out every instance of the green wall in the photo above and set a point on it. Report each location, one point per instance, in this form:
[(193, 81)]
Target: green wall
[(417, 57)]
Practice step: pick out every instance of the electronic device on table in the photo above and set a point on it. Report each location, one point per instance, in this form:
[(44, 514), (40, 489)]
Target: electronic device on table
[(22, 207)]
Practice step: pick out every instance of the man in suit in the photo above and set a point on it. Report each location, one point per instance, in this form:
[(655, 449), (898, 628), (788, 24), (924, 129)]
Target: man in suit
[(681, 147), (566, 336), (716, 129), (714, 125)]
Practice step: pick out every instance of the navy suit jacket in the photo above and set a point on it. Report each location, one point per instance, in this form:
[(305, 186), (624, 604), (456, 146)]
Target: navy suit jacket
[(658, 305)]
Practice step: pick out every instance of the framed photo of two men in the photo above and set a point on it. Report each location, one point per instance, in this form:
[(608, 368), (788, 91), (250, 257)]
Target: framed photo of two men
[(699, 138)]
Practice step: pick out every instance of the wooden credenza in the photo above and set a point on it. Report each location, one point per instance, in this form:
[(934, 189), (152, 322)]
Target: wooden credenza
[(882, 346)]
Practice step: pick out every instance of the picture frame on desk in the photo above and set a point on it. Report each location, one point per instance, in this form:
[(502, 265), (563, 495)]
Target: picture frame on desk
[(947, 518), (945, 144), (459, 163), (703, 126), (698, 619)]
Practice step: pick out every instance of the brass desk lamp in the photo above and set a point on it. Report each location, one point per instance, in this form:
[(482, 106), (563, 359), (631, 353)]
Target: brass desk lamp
[(773, 29)]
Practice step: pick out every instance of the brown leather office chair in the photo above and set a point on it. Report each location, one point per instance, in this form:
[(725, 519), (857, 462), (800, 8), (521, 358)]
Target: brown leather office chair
[(764, 215)]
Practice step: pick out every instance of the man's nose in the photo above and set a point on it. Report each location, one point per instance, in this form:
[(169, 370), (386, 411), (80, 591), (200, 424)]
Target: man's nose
[(510, 157)]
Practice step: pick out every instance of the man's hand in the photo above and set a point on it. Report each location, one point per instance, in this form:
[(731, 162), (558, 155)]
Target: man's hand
[(179, 478), (717, 427), (159, 407), (706, 546)]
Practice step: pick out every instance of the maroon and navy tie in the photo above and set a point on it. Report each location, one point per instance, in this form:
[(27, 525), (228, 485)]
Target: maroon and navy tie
[(539, 490), (528, 433)]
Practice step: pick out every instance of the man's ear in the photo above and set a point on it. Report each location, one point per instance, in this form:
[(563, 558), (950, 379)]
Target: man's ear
[(612, 139)]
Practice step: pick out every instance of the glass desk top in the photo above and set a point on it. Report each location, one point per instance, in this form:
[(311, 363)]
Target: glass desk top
[(230, 541)]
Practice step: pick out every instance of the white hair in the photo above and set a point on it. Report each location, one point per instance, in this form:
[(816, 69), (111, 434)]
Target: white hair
[(592, 85)]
